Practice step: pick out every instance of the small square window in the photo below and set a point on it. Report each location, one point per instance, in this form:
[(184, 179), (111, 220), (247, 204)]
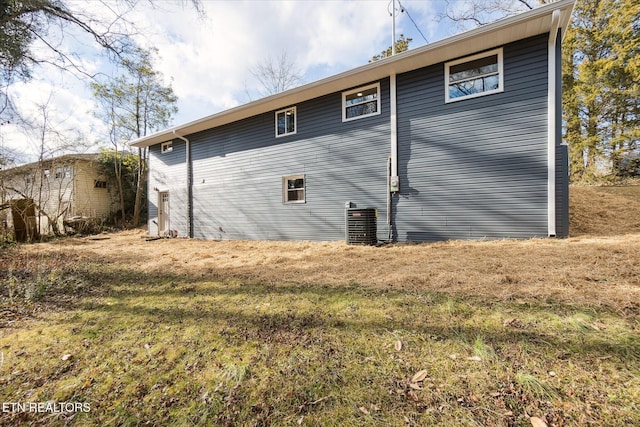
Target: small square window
[(361, 102), (100, 184), (286, 122), (166, 147), (293, 189), (474, 76)]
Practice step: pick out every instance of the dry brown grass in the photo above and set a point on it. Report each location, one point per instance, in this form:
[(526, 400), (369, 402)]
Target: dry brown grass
[(188, 332), (598, 266), (605, 211)]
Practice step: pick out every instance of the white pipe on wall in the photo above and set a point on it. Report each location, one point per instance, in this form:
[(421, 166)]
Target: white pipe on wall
[(394, 125), (189, 189), (551, 124)]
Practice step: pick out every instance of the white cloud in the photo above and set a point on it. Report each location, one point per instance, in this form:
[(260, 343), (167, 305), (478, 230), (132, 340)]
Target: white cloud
[(207, 60), (67, 108)]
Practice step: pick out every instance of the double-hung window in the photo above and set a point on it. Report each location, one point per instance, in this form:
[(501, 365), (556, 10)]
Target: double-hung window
[(474, 76), (286, 122), (293, 190), (166, 147), (361, 102)]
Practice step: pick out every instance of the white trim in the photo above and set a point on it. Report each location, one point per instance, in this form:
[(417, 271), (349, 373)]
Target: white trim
[(449, 64), (394, 124), (162, 212), (360, 89), (188, 170), (551, 124), (166, 147), (295, 121), (285, 189), (527, 24)]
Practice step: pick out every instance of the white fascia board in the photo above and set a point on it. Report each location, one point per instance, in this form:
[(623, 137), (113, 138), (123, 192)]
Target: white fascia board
[(501, 32)]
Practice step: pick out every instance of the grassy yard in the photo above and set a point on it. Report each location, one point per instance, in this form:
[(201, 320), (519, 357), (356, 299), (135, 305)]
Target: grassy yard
[(177, 332)]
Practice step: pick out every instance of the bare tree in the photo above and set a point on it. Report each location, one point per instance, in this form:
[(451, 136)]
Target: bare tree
[(135, 104), (33, 33), (277, 74), (50, 183), (481, 12)]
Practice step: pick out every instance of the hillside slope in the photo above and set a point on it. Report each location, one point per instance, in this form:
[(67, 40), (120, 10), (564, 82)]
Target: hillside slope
[(607, 211)]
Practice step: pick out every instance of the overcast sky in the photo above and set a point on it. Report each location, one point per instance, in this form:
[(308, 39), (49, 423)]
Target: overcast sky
[(207, 59)]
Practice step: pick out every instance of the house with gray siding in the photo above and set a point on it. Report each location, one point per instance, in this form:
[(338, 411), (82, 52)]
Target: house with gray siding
[(458, 139)]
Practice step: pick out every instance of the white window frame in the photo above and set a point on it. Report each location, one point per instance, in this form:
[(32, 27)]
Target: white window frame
[(295, 121), (360, 89), (448, 65), (166, 147), (285, 189)]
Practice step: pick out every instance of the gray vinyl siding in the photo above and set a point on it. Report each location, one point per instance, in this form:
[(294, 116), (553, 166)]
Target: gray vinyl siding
[(471, 169), (168, 173), (238, 170), (562, 155), (475, 168)]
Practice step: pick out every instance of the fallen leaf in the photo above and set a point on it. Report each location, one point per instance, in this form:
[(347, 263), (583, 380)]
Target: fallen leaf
[(537, 422), (67, 357), (364, 410), (512, 322), (415, 386), (398, 345), (419, 376), (453, 356), (300, 420), (475, 358)]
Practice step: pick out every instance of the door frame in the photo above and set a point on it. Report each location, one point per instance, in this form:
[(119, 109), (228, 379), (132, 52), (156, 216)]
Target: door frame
[(163, 213)]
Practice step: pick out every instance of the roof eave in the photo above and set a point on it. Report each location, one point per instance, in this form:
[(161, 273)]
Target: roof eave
[(517, 27)]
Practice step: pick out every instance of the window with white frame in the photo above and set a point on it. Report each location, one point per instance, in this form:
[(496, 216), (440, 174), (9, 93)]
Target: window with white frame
[(293, 189), (63, 172), (474, 76), (286, 122), (361, 102), (166, 147)]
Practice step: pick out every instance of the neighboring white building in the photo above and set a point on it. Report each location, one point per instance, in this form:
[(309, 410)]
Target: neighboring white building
[(38, 197)]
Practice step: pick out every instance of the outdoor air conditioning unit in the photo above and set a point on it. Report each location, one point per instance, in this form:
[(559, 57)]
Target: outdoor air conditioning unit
[(362, 226)]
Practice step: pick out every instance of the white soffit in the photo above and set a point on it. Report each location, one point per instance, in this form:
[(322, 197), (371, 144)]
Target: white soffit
[(518, 27)]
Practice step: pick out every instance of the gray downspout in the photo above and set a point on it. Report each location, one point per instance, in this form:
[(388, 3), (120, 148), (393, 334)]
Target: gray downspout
[(189, 168)]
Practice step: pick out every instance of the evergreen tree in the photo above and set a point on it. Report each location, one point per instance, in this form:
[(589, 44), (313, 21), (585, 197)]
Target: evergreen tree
[(402, 44), (601, 84)]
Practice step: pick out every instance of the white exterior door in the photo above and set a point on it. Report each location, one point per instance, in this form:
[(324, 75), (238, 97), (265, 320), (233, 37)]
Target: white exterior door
[(163, 212)]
